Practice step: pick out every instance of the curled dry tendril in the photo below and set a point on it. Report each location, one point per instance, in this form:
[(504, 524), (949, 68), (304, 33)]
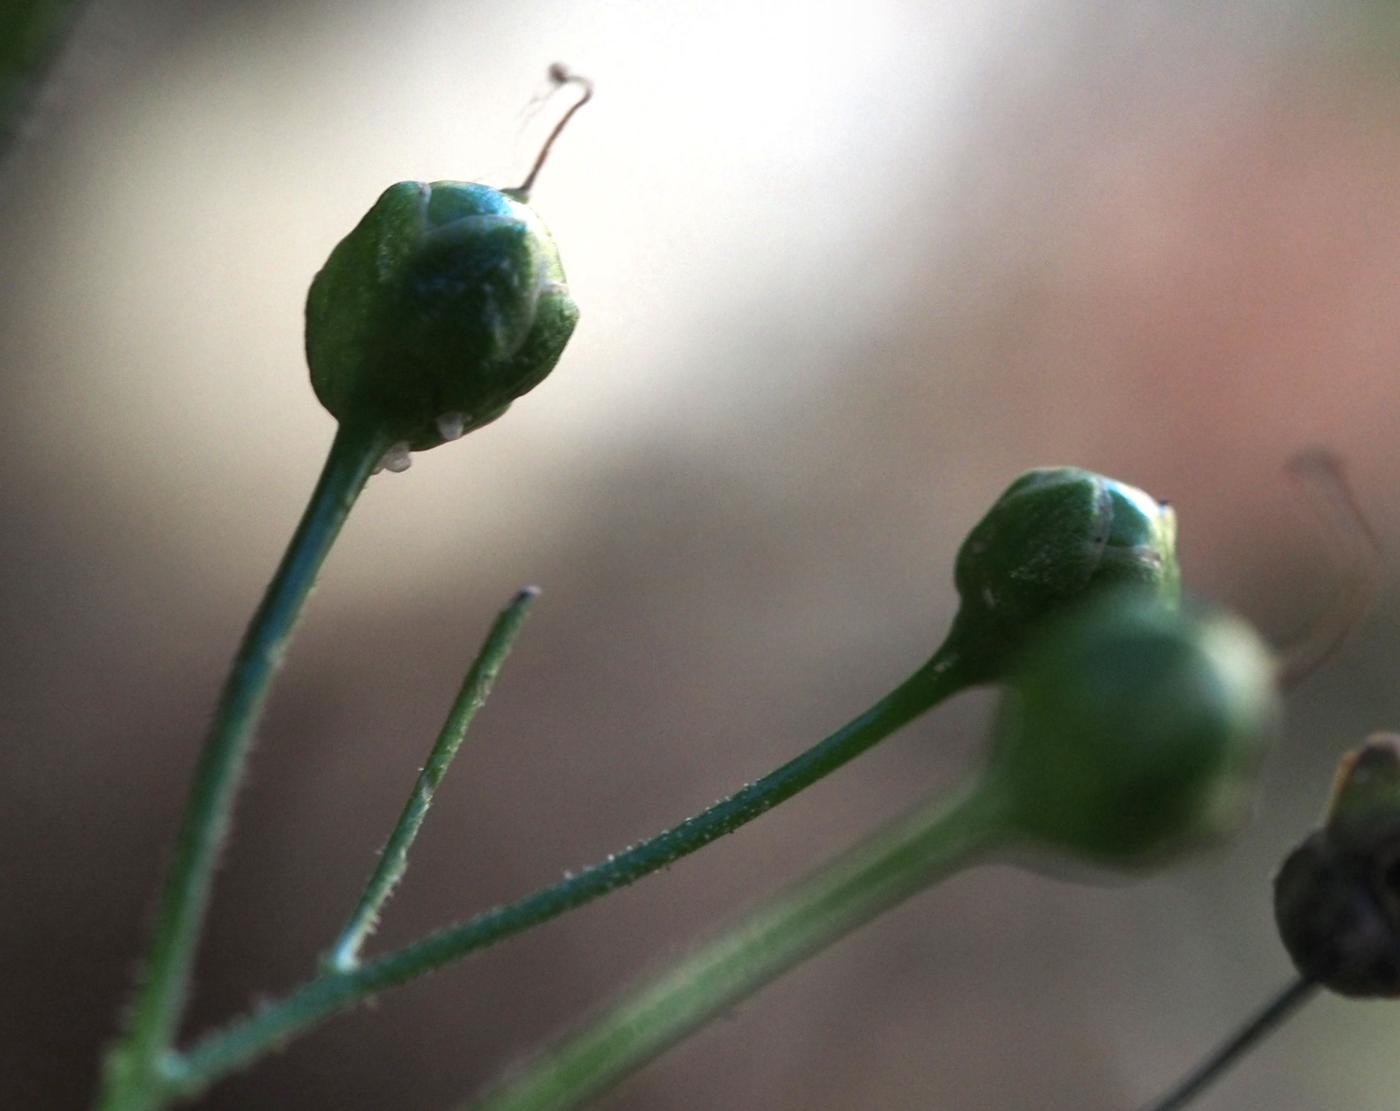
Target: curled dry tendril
[(561, 75), (1356, 554)]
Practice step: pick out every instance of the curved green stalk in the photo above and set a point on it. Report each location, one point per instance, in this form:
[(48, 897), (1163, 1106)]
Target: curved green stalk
[(899, 861), (278, 1022), (393, 861), (1271, 1016), (134, 1080)]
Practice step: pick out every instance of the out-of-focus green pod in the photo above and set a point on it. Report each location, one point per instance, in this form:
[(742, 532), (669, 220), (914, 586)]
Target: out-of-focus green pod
[(1132, 729)]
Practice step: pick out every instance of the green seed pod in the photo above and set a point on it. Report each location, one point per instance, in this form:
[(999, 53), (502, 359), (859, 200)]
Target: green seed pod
[(1055, 534), (1131, 729), (1337, 896), (443, 305)]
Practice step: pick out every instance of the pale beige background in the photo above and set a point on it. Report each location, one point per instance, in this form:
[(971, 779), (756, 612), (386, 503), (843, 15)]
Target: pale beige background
[(845, 270)]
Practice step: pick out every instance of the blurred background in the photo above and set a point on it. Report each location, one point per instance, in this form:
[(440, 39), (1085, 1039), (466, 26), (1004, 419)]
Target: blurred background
[(845, 270)]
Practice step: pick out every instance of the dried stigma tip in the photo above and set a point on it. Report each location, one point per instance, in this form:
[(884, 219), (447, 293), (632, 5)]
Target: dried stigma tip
[(561, 75), (1367, 784)]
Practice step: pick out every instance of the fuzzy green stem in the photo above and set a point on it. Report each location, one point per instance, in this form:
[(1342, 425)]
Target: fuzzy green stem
[(1271, 1016), (278, 1022), (913, 853), (134, 1078), (393, 861)]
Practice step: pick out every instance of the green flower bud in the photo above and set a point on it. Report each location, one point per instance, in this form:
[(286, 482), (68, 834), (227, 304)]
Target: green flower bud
[(1337, 896), (445, 304), (1055, 534), (1131, 729)]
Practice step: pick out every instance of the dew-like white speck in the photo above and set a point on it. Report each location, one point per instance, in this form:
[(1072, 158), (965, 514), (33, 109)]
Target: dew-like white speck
[(450, 426), (397, 459)]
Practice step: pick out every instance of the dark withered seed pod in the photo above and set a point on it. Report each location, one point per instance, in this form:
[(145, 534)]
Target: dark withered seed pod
[(1337, 896)]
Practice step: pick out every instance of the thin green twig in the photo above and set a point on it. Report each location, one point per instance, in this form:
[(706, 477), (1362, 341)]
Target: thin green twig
[(278, 1022), (899, 861), (134, 1079), (1268, 1019), (393, 861)]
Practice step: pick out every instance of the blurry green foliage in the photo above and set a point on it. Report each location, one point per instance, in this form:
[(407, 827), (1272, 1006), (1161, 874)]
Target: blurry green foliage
[(31, 34)]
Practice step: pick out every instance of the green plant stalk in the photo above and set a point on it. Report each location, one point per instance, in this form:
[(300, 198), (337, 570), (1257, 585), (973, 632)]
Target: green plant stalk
[(393, 861), (278, 1022), (906, 857), (134, 1079)]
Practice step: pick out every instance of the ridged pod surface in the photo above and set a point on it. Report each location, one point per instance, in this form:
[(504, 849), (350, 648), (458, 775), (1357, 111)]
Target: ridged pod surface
[(442, 306)]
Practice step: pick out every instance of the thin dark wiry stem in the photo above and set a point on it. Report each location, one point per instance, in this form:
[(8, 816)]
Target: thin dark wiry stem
[(1272, 1016), (560, 75)]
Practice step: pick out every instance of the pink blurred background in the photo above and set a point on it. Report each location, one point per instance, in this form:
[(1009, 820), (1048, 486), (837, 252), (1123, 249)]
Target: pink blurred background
[(845, 271)]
